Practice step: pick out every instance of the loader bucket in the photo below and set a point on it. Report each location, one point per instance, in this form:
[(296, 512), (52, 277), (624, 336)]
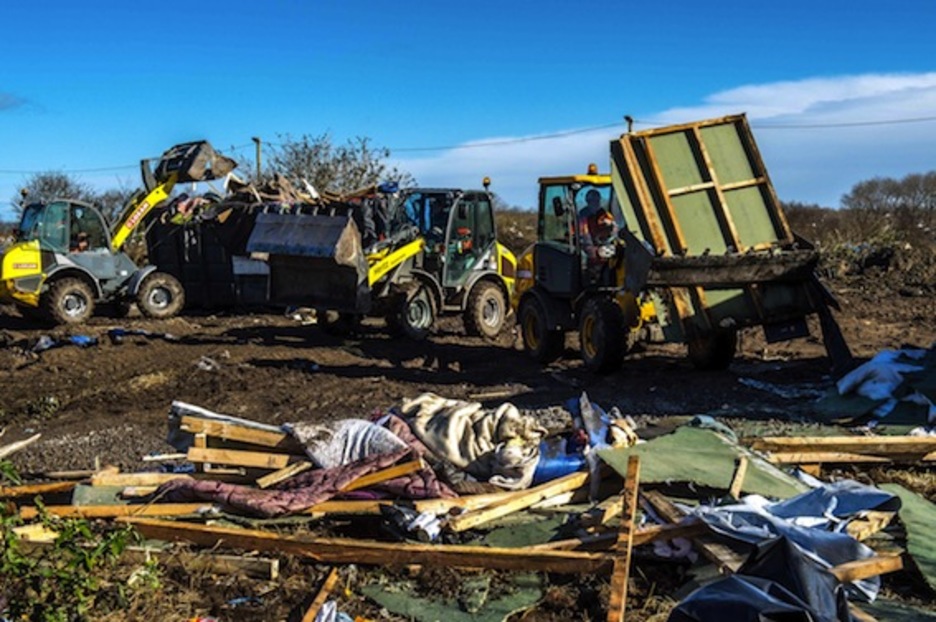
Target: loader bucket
[(315, 260)]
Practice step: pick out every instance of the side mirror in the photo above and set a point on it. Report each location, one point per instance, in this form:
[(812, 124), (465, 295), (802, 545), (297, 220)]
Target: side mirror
[(558, 208)]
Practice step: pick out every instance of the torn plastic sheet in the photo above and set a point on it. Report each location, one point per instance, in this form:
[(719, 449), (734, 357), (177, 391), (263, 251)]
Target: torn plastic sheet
[(779, 582), (810, 520), (889, 378)]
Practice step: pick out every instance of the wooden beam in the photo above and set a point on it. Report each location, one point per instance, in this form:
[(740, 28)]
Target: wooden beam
[(878, 445), (737, 480), (236, 457), (725, 559), (113, 511), (283, 474), (357, 551), (625, 542), (156, 479), (235, 432), (330, 582), (337, 507), (385, 475), (29, 490), (820, 457), (866, 568), (517, 501)]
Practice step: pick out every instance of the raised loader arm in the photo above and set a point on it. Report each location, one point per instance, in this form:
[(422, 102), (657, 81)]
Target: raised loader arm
[(141, 205)]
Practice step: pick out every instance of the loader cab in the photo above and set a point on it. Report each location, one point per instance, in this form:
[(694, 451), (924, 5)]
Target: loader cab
[(74, 232), (58, 226), (458, 228), (563, 204)]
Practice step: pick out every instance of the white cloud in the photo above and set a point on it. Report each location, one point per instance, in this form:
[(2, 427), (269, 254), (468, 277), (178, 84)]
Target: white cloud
[(810, 164)]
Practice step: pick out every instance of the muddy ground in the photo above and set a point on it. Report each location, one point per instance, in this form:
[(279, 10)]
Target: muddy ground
[(107, 404)]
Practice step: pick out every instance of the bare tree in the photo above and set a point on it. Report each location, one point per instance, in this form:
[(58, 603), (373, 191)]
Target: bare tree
[(336, 168), (49, 185)]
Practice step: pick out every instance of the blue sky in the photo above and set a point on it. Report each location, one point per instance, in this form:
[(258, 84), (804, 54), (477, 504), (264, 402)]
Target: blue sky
[(90, 88)]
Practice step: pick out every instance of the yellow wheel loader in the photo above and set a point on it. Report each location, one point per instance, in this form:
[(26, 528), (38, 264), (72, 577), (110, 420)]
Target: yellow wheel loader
[(697, 248), (66, 258), (435, 254)]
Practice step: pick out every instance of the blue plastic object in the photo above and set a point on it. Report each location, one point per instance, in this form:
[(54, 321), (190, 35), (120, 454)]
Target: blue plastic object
[(555, 462)]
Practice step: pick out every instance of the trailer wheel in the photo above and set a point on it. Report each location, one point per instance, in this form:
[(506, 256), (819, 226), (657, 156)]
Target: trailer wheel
[(541, 343), (68, 301), (486, 311), (413, 313), (602, 335), (160, 296), (714, 351)]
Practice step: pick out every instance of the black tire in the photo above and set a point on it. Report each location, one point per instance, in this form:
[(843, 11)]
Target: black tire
[(486, 311), (68, 301), (413, 313), (541, 343), (602, 335), (714, 351), (337, 324), (160, 296)]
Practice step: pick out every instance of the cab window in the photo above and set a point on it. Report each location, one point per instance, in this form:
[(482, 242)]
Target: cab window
[(52, 227), (86, 223), (556, 215)]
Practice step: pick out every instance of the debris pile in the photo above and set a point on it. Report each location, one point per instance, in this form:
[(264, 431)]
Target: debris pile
[(438, 483)]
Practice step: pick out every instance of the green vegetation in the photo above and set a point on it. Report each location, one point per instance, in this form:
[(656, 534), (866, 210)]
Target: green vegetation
[(62, 581)]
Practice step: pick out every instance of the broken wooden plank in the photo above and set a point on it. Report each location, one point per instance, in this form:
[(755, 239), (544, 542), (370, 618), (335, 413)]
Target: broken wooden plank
[(236, 457), (12, 448), (737, 480), (393, 472), (29, 490), (36, 533), (868, 523), (357, 551), (517, 501), (832, 457), (156, 479), (618, 600), (113, 511), (324, 592), (234, 432), (877, 445), (283, 474), (866, 568), (385, 475), (724, 558)]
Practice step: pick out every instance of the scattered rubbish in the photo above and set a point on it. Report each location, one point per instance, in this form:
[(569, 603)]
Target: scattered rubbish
[(46, 342), (116, 335), (240, 601), (895, 387), (447, 475), (206, 363)]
